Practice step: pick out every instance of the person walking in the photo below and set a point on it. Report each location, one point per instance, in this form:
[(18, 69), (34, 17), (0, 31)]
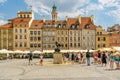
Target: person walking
[(30, 57), (104, 57), (88, 58), (41, 59), (111, 60), (99, 57)]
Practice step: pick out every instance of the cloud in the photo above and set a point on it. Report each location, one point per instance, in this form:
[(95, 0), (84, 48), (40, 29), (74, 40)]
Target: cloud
[(73, 8), (2, 1), (2, 21)]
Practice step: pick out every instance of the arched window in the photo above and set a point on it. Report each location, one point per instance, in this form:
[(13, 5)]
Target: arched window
[(24, 16), (64, 25), (44, 25), (20, 16), (77, 25), (72, 26), (87, 26), (59, 25), (27, 16)]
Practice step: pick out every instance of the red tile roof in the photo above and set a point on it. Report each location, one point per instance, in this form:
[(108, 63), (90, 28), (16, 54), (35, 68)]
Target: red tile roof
[(24, 12), (18, 20), (6, 26), (36, 24)]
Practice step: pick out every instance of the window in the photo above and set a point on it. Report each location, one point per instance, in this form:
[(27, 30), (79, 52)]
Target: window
[(66, 38), (31, 38), (70, 38), (20, 16), (20, 44), (38, 32), (87, 26), (24, 16), (35, 32), (25, 37), (58, 38), (78, 44), (64, 25), (20, 30), (20, 36), (16, 36), (38, 38), (59, 25), (70, 32), (16, 45), (74, 44), (35, 38), (100, 33), (24, 30), (62, 32), (78, 38), (31, 45), (74, 38), (98, 38), (83, 37), (35, 45), (16, 30), (39, 45), (104, 39), (65, 45), (10, 44), (97, 33), (36, 25), (70, 44), (27, 16), (104, 45), (31, 32), (25, 44), (98, 45)]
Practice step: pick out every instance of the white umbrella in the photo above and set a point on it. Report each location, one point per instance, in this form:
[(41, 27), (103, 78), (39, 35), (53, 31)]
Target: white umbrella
[(4, 51), (48, 51), (18, 51), (36, 51), (26, 52)]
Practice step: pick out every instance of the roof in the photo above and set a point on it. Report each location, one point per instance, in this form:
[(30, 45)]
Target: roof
[(18, 20), (36, 24), (6, 26), (24, 12), (84, 21)]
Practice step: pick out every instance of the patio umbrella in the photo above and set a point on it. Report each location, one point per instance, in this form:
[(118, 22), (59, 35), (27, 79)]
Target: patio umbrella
[(18, 51), (36, 51)]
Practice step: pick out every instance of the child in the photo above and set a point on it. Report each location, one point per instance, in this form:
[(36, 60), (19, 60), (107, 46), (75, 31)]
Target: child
[(41, 60)]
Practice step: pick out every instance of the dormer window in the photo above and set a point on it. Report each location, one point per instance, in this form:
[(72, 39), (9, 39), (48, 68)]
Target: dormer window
[(20, 16), (59, 25), (48, 24), (72, 26), (87, 26), (44, 25), (64, 25), (27, 16), (24, 16), (78, 26)]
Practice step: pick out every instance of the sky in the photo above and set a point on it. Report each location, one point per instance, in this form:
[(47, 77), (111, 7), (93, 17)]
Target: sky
[(106, 12)]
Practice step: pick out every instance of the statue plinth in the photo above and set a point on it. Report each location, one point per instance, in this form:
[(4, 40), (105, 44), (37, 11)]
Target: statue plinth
[(57, 58)]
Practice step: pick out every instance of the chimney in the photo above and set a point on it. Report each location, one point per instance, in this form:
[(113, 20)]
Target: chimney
[(92, 18), (43, 18), (79, 18), (66, 18)]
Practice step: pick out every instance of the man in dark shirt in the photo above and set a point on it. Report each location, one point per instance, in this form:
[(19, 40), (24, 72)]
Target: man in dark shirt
[(88, 57), (30, 57)]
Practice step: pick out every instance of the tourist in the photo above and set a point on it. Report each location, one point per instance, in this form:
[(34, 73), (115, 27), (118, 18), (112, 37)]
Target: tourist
[(117, 60), (41, 59), (88, 58), (79, 56), (30, 57), (99, 57), (95, 57), (70, 56), (84, 57), (111, 60), (104, 57)]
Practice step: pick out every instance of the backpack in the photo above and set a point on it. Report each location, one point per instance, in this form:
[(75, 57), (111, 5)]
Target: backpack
[(87, 54)]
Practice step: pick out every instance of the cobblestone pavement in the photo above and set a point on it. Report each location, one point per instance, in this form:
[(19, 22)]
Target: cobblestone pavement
[(20, 70)]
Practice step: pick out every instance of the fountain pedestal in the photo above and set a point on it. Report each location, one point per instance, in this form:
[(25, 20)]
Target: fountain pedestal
[(57, 59)]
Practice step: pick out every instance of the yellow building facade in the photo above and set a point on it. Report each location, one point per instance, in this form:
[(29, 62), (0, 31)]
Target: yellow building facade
[(102, 38)]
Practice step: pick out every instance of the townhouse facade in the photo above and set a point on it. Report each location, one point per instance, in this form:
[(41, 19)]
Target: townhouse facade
[(29, 34)]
